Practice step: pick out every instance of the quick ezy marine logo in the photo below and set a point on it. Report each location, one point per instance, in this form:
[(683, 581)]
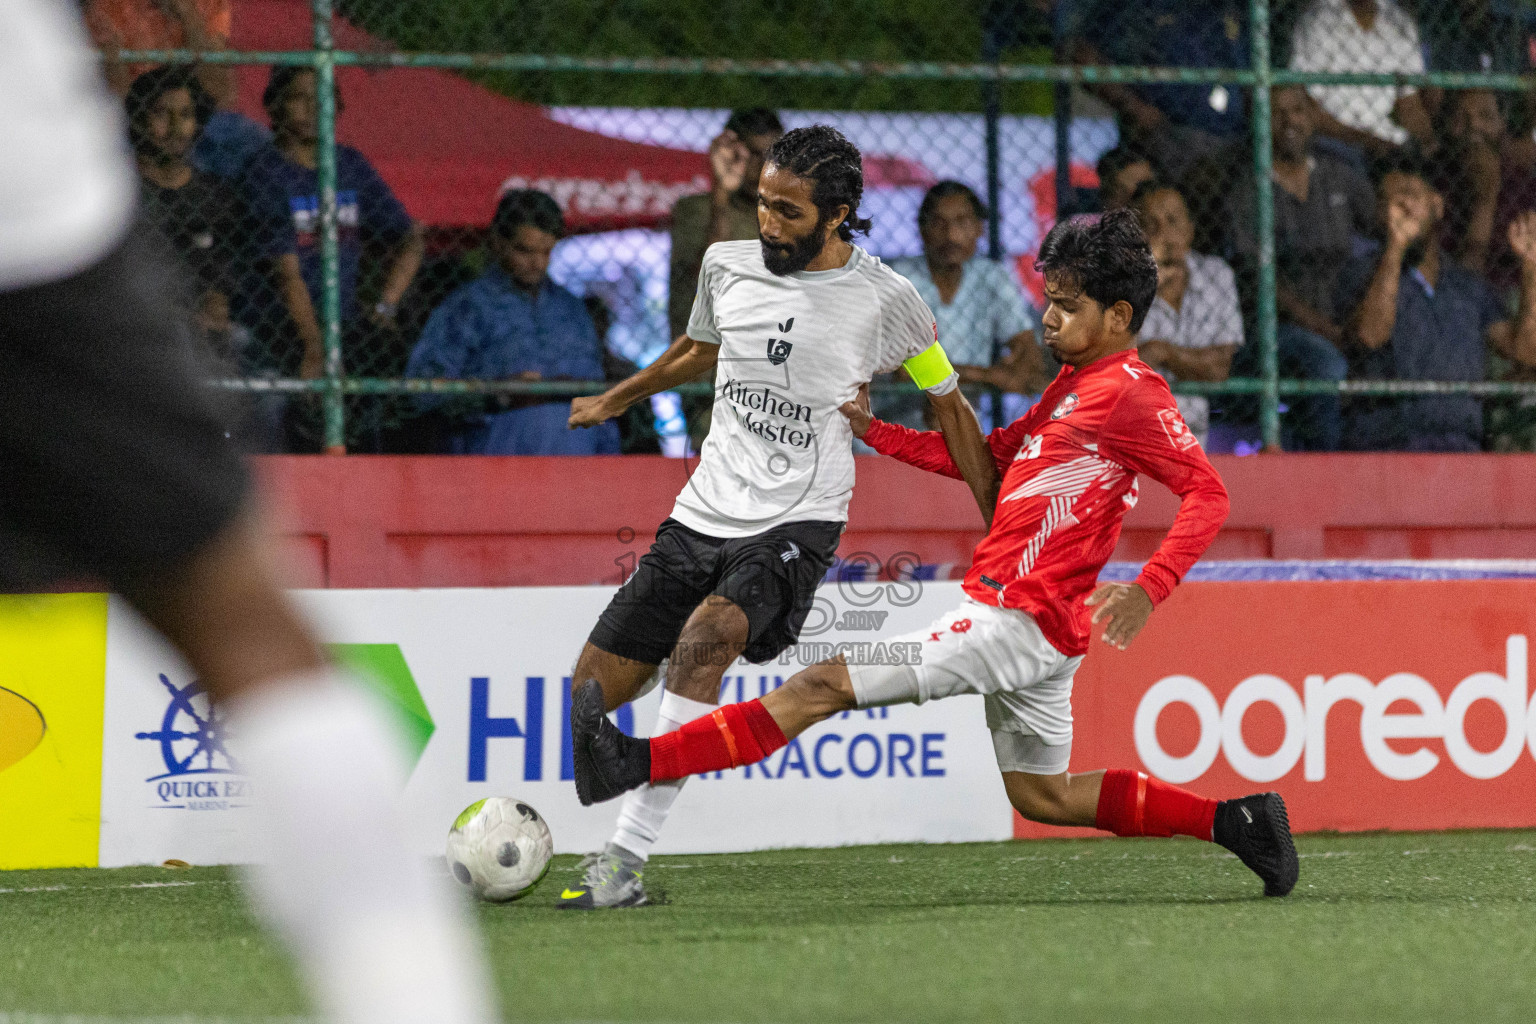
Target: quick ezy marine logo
[(199, 771)]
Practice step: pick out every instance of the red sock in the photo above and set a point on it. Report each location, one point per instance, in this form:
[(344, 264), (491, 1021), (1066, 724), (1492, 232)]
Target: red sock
[(1131, 804), (728, 737)]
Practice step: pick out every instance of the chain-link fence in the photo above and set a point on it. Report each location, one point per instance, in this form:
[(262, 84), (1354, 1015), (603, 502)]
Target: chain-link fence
[(1337, 192)]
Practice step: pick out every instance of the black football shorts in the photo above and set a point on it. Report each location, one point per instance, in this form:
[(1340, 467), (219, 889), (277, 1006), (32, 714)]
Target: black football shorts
[(114, 460), (772, 576)]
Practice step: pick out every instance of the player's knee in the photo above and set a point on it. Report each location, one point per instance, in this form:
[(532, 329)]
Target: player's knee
[(586, 666), (621, 678), (713, 636), (717, 618), (824, 688)]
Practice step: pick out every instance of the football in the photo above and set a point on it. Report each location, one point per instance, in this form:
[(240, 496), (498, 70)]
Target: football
[(499, 848)]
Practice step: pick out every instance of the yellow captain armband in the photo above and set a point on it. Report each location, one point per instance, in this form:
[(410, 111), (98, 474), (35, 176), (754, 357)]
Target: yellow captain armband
[(929, 367)]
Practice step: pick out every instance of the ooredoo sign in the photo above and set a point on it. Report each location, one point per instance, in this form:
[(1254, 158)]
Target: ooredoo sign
[(1373, 704), (1304, 718)]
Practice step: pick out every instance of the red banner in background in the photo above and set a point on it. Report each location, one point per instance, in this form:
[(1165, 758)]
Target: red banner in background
[(1367, 705)]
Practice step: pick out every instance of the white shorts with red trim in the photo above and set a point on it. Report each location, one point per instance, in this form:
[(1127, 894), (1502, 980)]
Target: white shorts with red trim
[(997, 652)]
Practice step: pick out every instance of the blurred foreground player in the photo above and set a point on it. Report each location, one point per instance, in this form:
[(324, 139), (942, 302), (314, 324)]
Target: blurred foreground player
[(1068, 470), (792, 324), (114, 467)]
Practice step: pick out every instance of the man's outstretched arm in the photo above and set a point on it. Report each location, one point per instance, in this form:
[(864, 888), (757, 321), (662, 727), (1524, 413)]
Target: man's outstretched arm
[(968, 449), (679, 364), (925, 449)]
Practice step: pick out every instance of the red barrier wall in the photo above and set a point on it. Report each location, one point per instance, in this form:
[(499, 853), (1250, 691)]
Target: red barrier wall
[(1401, 705), (414, 521)]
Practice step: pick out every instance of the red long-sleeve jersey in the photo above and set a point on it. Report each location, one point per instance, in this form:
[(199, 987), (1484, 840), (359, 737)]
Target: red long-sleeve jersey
[(1068, 470)]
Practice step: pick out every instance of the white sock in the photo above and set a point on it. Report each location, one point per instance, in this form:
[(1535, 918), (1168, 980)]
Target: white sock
[(380, 938), (645, 809)]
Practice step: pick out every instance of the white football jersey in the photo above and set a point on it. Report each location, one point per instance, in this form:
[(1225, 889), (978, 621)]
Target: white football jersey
[(67, 188), (792, 350)]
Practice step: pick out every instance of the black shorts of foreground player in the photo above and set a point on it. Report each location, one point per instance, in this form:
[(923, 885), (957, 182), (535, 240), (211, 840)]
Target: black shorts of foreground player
[(1068, 474), (791, 325)]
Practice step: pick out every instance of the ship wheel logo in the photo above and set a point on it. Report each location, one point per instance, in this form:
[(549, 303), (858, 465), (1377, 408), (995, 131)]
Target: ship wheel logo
[(191, 735)]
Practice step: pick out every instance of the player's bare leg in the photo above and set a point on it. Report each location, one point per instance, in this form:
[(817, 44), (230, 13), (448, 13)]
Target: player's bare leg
[(1125, 802), (225, 612), (376, 933), (1064, 799), (713, 637), (1129, 803), (620, 677)]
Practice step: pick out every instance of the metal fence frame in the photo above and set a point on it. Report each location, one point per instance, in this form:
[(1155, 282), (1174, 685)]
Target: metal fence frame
[(1262, 78)]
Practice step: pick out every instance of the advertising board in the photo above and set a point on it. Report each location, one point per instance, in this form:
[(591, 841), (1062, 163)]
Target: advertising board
[(1375, 704)]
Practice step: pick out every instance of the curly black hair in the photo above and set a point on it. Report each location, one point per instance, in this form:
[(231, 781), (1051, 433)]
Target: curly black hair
[(1105, 255), (146, 90), (822, 154)]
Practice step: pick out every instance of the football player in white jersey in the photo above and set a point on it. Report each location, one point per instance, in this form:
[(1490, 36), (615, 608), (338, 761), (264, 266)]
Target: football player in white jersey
[(114, 466), (792, 325)]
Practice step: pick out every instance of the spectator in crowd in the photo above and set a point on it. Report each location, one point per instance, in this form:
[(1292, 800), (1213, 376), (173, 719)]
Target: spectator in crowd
[(1416, 315), (1486, 184), (280, 190), (727, 212), (514, 323), (1323, 207), (191, 212), (1177, 124), (1121, 171), (1374, 36), (983, 320), (1488, 181), (228, 138), (1195, 324), (1471, 36)]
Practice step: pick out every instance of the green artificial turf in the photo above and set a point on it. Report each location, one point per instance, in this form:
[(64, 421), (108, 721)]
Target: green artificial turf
[(1427, 927)]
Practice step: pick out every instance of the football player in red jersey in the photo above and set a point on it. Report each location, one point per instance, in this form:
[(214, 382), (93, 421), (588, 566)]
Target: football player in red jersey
[(1064, 477)]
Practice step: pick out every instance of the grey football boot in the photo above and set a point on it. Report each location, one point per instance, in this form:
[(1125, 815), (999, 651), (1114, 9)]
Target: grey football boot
[(610, 879)]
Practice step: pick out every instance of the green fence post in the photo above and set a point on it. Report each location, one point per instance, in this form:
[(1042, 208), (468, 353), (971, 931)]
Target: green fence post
[(1264, 189), (330, 253)]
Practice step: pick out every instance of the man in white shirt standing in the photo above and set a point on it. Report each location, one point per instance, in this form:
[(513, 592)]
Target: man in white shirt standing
[(1363, 36), (987, 327), (1195, 324), (792, 324)]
